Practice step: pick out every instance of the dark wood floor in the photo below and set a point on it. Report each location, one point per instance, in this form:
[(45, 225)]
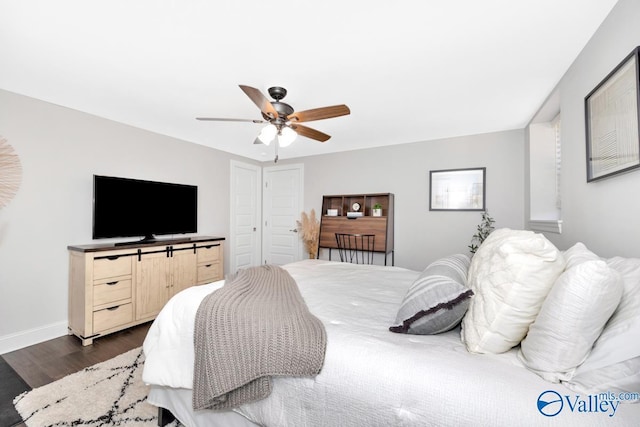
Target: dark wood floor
[(51, 360)]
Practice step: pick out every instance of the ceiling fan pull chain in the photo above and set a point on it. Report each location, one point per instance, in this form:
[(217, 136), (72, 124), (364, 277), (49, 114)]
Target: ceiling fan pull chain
[(277, 144)]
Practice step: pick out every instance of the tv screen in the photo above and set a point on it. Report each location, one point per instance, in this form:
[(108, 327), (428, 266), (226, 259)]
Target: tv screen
[(124, 207)]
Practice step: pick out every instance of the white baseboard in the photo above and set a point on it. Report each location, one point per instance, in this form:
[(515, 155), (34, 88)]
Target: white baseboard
[(33, 336)]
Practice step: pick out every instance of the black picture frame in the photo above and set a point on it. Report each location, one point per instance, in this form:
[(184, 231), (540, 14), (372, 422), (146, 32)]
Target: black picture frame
[(458, 189), (612, 115)]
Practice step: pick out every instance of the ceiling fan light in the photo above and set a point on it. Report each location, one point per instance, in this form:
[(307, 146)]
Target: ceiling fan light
[(286, 137), (267, 134)]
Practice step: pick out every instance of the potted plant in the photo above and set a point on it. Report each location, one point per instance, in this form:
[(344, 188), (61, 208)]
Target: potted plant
[(483, 230), (377, 209)]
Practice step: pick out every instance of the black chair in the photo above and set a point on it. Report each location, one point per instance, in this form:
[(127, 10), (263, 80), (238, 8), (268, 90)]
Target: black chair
[(356, 248)]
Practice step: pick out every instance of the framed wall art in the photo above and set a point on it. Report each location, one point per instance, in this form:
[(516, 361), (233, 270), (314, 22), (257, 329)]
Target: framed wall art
[(457, 190), (611, 110)]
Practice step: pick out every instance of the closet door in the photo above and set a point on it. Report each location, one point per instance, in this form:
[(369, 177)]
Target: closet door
[(245, 243), (283, 204)]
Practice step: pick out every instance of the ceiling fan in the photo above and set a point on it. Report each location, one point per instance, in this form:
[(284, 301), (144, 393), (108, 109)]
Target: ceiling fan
[(283, 122)]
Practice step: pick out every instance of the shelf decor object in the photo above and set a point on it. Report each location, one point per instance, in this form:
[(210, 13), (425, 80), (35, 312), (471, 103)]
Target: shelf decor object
[(10, 172), (611, 110), (457, 190)]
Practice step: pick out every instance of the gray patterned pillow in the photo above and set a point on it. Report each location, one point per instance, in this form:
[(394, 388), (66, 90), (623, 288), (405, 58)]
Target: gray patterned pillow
[(437, 300)]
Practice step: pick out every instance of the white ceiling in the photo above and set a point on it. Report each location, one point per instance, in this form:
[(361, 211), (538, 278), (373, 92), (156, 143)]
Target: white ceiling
[(411, 70)]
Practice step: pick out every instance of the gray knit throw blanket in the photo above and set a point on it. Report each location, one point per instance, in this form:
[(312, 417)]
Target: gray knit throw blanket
[(256, 326)]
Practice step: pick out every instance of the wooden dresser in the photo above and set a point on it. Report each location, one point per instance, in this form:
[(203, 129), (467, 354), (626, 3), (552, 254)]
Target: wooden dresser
[(113, 287)]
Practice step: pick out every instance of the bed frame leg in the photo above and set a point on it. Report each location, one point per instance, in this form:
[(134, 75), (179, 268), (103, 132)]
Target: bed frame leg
[(164, 417)]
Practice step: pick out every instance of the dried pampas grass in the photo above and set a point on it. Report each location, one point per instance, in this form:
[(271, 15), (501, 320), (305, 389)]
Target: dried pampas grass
[(309, 226)]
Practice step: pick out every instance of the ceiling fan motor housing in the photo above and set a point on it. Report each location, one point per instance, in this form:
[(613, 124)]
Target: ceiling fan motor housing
[(283, 111), (282, 108)]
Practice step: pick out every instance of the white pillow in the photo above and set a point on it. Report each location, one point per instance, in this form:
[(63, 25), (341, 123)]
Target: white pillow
[(510, 274), (614, 361), (577, 254), (622, 377), (571, 319)]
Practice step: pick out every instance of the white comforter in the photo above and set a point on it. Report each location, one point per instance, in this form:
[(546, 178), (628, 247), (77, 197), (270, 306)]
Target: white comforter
[(372, 377)]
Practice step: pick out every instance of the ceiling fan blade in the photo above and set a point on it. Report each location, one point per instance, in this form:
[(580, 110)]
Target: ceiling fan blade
[(260, 100), (319, 113), (217, 119), (310, 133)]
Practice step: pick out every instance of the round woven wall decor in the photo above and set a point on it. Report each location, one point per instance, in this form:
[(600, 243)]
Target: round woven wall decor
[(10, 172)]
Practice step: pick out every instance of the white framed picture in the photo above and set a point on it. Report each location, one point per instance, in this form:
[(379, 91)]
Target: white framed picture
[(457, 190)]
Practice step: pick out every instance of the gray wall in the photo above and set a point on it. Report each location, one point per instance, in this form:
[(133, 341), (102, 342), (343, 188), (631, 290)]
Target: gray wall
[(604, 214), (421, 235), (60, 150)]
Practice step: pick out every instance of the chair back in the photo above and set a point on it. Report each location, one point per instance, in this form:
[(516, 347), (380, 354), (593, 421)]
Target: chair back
[(356, 248)]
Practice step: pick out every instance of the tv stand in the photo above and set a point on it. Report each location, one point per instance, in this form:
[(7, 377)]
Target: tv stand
[(114, 286)]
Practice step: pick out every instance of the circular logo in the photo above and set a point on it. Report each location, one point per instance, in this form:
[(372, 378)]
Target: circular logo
[(550, 403)]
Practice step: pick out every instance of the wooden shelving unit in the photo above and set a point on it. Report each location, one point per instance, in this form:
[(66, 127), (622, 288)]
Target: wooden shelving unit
[(380, 226)]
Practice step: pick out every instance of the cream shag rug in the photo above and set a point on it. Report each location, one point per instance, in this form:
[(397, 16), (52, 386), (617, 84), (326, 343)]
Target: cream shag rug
[(110, 393)]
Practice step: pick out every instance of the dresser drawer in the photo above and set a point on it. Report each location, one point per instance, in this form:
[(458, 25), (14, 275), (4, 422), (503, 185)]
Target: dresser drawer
[(106, 292), (111, 267), (112, 317), (207, 254), (209, 273)]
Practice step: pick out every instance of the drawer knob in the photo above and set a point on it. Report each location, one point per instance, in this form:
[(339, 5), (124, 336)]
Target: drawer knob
[(111, 283), (113, 308)]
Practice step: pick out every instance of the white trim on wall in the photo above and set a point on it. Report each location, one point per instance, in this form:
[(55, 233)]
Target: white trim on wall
[(549, 226), (33, 336)]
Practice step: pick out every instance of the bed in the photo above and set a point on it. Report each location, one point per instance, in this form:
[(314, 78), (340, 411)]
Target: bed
[(370, 377)]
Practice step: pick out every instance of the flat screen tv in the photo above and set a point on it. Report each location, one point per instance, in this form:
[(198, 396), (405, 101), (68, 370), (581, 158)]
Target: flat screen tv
[(124, 207)]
